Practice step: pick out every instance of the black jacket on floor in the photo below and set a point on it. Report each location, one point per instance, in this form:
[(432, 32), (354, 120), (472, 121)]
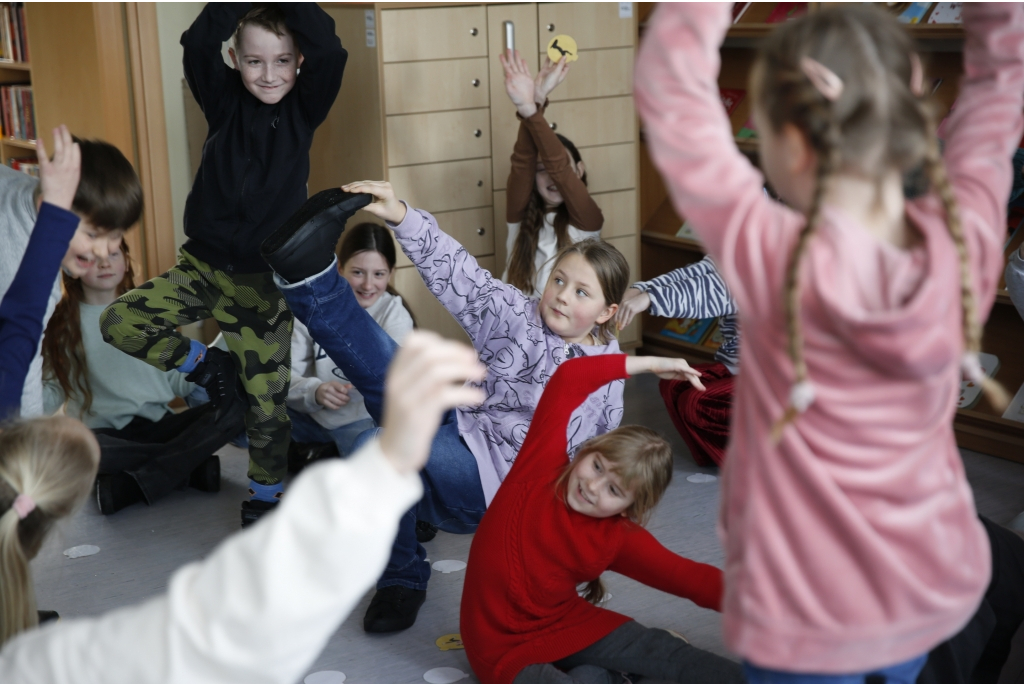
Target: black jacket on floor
[(256, 157)]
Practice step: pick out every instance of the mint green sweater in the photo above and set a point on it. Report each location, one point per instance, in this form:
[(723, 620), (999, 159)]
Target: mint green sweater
[(122, 387)]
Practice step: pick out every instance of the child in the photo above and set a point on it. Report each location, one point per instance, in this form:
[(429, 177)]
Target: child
[(548, 204), (108, 201), (522, 342), (695, 291), (322, 404), (555, 525), (261, 118), (146, 450), (329, 539), (852, 546)]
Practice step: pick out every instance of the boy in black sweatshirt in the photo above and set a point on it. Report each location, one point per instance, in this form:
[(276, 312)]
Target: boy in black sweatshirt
[(261, 116)]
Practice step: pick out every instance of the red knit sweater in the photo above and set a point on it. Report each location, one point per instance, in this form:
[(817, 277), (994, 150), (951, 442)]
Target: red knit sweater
[(519, 603)]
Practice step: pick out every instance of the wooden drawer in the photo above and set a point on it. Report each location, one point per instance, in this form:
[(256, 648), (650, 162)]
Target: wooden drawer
[(610, 167), (627, 245), (433, 33), (429, 313), (411, 87), (445, 186), (594, 122), (619, 209), (596, 74), (439, 136), (593, 24), (473, 228)]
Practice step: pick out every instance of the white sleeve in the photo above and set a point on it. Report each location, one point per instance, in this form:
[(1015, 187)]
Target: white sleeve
[(513, 232), (259, 609), (304, 381), (576, 235)]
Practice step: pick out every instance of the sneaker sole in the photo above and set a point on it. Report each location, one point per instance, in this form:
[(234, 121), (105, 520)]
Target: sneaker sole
[(318, 210)]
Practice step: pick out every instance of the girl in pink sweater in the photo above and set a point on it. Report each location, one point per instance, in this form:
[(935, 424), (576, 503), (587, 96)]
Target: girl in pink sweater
[(852, 546)]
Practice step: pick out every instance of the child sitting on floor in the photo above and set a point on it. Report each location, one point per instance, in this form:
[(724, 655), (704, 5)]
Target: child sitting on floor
[(556, 524)]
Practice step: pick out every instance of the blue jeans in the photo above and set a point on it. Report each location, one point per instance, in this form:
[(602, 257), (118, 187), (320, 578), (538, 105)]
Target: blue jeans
[(453, 498), (905, 672), (306, 429)]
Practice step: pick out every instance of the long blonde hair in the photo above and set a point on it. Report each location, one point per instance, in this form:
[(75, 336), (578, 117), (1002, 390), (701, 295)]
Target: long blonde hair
[(53, 461), (876, 124), (643, 459)]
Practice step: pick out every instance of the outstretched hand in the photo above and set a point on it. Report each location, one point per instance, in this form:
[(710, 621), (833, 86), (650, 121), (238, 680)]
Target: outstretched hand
[(519, 83), (59, 177), (548, 78), (633, 302), (385, 204), (669, 368), (426, 379)]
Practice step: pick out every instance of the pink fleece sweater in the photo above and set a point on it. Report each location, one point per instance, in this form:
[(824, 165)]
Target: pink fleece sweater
[(853, 543)]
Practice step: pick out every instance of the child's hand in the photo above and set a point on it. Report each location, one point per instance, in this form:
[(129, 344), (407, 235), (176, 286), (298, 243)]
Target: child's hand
[(669, 368), (548, 78), (425, 380), (633, 302), (332, 395), (518, 83), (385, 204), (59, 177)]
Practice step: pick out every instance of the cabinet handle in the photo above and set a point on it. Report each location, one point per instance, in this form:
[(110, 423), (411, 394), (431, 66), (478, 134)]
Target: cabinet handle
[(479, 184), (478, 133), (473, 32), (480, 231), (475, 82), (551, 27), (554, 125)]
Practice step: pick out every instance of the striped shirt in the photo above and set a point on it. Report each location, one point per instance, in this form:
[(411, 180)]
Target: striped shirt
[(697, 291)]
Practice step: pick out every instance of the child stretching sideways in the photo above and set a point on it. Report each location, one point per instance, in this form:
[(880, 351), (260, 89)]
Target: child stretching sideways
[(556, 524), (851, 539)]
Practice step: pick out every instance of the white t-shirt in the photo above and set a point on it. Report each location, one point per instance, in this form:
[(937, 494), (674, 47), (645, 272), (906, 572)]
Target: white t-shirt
[(547, 248), (311, 366)]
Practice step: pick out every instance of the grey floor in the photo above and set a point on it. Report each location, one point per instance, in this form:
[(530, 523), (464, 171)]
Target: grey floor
[(141, 546)]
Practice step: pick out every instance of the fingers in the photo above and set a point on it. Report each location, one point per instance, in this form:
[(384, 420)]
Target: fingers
[(44, 159)]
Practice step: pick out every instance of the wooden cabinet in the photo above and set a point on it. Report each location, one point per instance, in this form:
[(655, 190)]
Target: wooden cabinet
[(433, 33), (433, 86), (594, 25), (420, 138)]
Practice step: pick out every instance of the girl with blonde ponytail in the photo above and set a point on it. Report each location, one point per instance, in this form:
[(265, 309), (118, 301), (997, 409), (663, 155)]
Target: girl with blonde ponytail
[(851, 539)]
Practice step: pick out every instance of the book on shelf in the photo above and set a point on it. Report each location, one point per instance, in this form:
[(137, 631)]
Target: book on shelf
[(26, 165), (748, 131), (693, 331), (13, 35), (1015, 412), (970, 392), (738, 8), (731, 98), (18, 112), (784, 11), (714, 338), (947, 13), (914, 13)]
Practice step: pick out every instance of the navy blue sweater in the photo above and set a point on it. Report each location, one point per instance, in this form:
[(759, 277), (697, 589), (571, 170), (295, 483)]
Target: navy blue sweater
[(256, 157)]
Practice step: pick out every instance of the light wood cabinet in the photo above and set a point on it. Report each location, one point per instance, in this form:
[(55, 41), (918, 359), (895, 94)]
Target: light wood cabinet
[(593, 25), (421, 138), (472, 228), (433, 33), (597, 74), (588, 123), (434, 86)]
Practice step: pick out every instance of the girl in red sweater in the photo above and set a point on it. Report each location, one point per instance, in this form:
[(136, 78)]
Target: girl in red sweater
[(555, 525)]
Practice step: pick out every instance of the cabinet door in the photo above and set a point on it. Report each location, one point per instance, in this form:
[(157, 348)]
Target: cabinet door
[(429, 313), (602, 121), (445, 186), (433, 33), (619, 210), (472, 228), (411, 87), (504, 125), (438, 136), (596, 74), (592, 24), (627, 245), (610, 167)]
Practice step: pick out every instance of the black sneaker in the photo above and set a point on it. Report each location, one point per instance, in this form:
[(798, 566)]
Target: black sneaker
[(304, 245), (206, 476), (301, 454), (115, 491), (425, 532), (393, 608), (254, 509), (217, 374)]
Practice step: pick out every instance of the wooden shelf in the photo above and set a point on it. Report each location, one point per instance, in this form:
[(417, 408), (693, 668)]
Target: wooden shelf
[(15, 66), (22, 144)]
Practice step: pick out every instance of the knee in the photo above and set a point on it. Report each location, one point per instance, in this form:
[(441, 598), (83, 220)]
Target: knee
[(363, 438), (115, 324)]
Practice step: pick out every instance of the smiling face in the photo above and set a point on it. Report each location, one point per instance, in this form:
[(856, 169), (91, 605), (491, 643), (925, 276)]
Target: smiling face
[(88, 245), (106, 273), (573, 302), (368, 274), (547, 188), (267, 62), (593, 489)]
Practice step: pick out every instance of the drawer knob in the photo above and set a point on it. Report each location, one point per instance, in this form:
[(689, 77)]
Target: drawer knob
[(475, 82), (479, 184), (480, 231), (477, 133), (551, 27), (473, 32), (554, 125)]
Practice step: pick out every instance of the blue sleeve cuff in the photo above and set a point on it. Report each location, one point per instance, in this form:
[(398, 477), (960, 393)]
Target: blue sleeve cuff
[(196, 354)]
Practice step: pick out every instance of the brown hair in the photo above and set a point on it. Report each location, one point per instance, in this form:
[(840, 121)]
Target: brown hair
[(268, 17), (876, 125), (109, 194), (52, 460), (612, 271), (521, 264), (370, 237), (643, 460), (63, 352)]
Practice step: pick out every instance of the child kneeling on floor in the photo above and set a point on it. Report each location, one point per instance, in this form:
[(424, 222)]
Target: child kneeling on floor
[(555, 525)]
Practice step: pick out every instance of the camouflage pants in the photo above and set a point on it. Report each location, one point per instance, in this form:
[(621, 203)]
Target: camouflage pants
[(257, 327)]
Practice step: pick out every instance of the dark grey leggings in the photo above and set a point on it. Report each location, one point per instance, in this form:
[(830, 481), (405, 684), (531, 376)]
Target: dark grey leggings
[(644, 654)]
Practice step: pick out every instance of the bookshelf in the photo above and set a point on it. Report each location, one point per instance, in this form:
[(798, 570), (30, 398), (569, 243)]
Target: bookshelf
[(981, 428)]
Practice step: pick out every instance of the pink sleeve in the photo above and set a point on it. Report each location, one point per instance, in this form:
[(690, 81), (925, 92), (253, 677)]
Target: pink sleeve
[(690, 139), (983, 132)]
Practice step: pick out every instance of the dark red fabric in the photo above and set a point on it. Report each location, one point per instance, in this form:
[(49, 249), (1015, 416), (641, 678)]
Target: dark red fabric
[(702, 418)]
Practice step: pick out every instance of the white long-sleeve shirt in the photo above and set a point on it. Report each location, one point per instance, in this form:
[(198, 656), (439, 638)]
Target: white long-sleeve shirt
[(260, 608)]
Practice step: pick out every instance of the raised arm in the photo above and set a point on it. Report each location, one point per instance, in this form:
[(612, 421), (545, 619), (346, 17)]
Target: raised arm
[(644, 559), (695, 291), (205, 71), (324, 58), (521, 176)]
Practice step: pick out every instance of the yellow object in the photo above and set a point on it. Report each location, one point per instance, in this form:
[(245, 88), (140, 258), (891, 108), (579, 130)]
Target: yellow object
[(452, 641), (563, 45)]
